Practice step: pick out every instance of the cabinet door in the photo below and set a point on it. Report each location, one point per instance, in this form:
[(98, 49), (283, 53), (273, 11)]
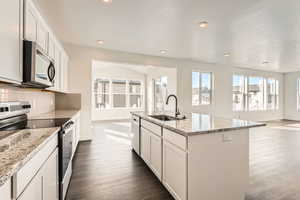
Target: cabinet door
[(10, 29), (175, 170), (51, 47), (64, 72), (156, 154), (57, 64), (5, 191), (145, 145), (135, 142), (30, 22), (42, 36), (33, 191), (50, 177)]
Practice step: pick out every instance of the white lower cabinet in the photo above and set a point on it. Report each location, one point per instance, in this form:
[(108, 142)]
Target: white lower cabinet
[(50, 177), (5, 191), (38, 178), (44, 185), (151, 151), (175, 170), (156, 155), (34, 189), (145, 145)]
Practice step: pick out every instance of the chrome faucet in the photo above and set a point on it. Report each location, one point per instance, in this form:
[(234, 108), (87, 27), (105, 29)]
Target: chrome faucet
[(176, 104)]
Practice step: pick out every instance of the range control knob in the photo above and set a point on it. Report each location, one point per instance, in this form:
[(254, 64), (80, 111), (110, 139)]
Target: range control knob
[(26, 106), (4, 109)]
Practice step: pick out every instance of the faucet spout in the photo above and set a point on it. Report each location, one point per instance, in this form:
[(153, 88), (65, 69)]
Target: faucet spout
[(176, 104)]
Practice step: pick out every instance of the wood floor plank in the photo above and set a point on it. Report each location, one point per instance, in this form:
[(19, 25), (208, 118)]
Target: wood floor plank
[(107, 169)]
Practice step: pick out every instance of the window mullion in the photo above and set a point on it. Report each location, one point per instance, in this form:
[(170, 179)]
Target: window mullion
[(200, 88)]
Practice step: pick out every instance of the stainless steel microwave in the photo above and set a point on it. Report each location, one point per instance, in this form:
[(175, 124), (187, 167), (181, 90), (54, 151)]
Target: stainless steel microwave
[(38, 68)]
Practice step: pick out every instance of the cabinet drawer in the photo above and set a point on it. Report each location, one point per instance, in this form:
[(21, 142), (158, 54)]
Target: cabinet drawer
[(175, 138), (151, 127), (29, 170)]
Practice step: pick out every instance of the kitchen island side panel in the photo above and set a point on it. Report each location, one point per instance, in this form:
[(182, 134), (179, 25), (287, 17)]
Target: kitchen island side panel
[(218, 165)]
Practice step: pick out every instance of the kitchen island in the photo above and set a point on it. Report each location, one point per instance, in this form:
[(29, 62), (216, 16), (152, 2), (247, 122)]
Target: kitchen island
[(200, 157)]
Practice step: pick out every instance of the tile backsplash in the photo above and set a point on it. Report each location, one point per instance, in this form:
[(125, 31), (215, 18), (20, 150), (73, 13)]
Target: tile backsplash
[(41, 101)]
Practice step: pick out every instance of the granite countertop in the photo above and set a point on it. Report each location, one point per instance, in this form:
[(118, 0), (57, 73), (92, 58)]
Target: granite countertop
[(56, 114), (196, 123), (18, 147)]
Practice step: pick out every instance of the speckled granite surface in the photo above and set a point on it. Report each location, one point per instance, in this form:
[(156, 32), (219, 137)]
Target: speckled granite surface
[(56, 114), (18, 147), (196, 123)]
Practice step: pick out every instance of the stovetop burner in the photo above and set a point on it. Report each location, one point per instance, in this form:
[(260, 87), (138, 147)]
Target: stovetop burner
[(21, 122)]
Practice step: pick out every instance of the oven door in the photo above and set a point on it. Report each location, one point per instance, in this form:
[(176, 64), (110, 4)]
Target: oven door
[(44, 69), (67, 149), (65, 159)]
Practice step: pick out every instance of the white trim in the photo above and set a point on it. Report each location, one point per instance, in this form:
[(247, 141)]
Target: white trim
[(200, 86), (127, 94), (265, 93)]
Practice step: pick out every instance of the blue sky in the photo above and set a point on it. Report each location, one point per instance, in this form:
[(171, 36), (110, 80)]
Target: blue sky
[(205, 79)]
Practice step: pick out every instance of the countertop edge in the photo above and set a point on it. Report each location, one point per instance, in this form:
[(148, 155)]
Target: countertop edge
[(4, 178), (187, 134)]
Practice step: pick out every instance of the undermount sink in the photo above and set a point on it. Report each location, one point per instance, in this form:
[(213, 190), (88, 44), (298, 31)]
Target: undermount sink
[(164, 117)]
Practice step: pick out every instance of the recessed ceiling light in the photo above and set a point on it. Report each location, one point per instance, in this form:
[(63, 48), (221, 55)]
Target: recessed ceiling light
[(226, 54), (100, 42), (203, 24), (107, 1), (163, 51), (265, 62)]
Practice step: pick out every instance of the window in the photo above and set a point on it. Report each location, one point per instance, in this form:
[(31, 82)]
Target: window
[(160, 87), (254, 93), (239, 92), (272, 94), (118, 93), (135, 94), (101, 91), (298, 94), (201, 88)]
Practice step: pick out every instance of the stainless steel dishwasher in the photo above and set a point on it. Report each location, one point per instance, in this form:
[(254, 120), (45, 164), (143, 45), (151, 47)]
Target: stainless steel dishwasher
[(135, 130)]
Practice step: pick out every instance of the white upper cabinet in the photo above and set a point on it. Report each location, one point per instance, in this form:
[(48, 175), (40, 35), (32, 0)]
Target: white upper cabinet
[(10, 39), (64, 72), (51, 47), (37, 30), (42, 36), (30, 22)]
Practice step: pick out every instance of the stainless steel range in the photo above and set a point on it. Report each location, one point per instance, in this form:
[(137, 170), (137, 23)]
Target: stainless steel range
[(13, 116)]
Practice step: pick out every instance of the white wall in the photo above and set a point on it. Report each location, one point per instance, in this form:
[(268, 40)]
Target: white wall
[(80, 81), (222, 94), (114, 71), (41, 101), (290, 96)]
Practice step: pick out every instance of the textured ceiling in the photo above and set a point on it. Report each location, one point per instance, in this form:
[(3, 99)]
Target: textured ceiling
[(251, 31)]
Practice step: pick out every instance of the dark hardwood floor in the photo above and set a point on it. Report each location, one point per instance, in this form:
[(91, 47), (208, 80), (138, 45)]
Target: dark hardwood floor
[(107, 169)]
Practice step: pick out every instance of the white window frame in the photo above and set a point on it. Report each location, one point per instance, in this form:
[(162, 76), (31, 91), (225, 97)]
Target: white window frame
[(200, 82), (246, 89), (263, 107), (298, 95), (127, 94)]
